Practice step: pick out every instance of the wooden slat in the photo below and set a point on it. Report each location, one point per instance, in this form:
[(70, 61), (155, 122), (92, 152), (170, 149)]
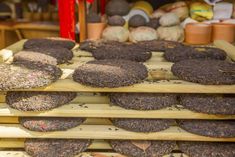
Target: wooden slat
[(172, 86), (19, 143), (105, 132), (108, 111), (227, 47), (90, 154)]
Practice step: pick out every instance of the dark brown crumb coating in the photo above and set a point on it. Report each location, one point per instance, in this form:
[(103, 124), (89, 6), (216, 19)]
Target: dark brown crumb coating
[(143, 148), (25, 101), (207, 149), (27, 75), (46, 124), (180, 53), (110, 73), (142, 125), (210, 128), (55, 147), (211, 72), (143, 101), (210, 104)]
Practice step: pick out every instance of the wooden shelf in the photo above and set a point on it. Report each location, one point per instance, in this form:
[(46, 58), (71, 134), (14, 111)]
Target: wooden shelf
[(19, 143), (105, 132), (91, 154), (107, 111)]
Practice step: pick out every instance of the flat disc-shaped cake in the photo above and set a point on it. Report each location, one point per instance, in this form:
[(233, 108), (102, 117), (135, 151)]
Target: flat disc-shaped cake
[(143, 148), (210, 72), (110, 73), (210, 104), (180, 53), (143, 101), (25, 101), (49, 43), (62, 55), (207, 149), (46, 124), (27, 75), (55, 147), (116, 50), (142, 125), (158, 45), (210, 128), (34, 57)]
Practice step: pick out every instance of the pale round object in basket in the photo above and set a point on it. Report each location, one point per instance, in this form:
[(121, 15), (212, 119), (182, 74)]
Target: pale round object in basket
[(174, 33), (143, 34), (115, 33), (169, 19)]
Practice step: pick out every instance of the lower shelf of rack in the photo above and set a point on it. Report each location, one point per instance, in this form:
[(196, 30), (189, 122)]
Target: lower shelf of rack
[(105, 132), (86, 154)]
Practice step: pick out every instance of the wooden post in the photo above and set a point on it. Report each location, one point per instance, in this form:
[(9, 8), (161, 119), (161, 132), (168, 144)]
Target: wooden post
[(82, 19)]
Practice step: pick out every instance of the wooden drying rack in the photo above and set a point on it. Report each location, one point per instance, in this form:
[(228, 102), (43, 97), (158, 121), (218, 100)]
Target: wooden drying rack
[(96, 107)]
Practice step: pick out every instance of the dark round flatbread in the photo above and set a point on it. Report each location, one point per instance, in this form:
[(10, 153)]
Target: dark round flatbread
[(46, 124), (210, 128), (210, 104), (137, 21), (180, 53), (27, 75), (62, 55), (207, 149), (55, 147), (158, 45), (142, 125), (143, 148), (143, 101), (211, 72), (25, 101), (116, 20), (49, 43), (116, 50), (110, 73), (34, 57), (153, 23)]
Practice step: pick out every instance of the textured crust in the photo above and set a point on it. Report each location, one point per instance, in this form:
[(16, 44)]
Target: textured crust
[(110, 73), (48, 43), (219, 128), (155, 148), (46, 124), (211, 72), (116, 20), (188, 52), (142, 125), (27, 75), (34, 57), (25, 101), (116, 50), (55, 147), (143, 101), (62, 55), (210, 104), (207, 149), (158, 45)]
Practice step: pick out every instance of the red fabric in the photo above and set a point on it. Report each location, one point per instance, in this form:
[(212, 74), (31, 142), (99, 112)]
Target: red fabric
[(102, 5), (67, 18), (90, 1)]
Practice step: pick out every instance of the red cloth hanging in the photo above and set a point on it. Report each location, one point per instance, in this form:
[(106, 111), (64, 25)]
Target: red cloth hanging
[(67, 18)]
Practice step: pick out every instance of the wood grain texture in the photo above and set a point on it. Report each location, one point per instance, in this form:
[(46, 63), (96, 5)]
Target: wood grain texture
[(105, 132), (7, 114), (86, 154)]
